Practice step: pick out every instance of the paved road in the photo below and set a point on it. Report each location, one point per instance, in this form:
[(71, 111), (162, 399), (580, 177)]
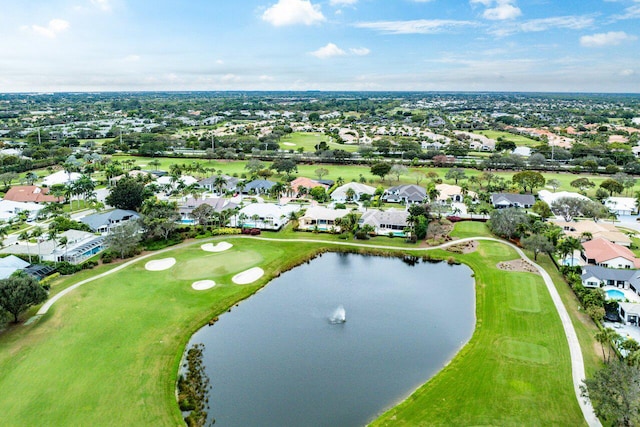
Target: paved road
[(577, 362)]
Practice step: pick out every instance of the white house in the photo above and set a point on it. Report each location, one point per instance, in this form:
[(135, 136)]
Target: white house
[(548, 197), (266, 216), (452, 193), (340, 194), (602, 252), (60, 177), (391, 222), (80, 246), (321, 218), (10, 209), (621, 205)]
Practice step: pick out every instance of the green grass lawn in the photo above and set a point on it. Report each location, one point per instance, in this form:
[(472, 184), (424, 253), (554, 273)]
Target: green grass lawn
[(308, 141), (520, 140), (516, 368), (107, 353)]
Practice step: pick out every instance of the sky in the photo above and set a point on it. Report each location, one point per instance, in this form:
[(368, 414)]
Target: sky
[(355, 45)]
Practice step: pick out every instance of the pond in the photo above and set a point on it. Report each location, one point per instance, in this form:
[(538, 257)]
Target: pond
[(278, 358)]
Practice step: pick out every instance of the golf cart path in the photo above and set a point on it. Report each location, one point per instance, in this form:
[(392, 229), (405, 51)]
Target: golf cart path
[(577, 362)]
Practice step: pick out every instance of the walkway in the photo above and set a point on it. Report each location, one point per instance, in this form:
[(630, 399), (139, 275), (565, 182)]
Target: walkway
[(577, 362)]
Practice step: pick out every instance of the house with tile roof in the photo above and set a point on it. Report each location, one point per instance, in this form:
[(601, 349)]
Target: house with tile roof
[(307, 183), (606, 254), (594, 276), (391, 222), (321, 218), (603, 230), (340, 194), (406, 194), (104, 222), (511, 200), (452, 193), (30, 193)]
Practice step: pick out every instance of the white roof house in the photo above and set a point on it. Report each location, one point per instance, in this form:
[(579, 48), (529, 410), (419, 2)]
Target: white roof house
[(452, 193), (548, 197), (267, 216), (321, 218), (10, 209), (340, 193), (10, 264), (60, 177), (80, 246), (621, 205), (186, 180), (391, 222)]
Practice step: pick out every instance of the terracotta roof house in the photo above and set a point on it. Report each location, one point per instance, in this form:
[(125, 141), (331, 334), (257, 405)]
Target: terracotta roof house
[(405, 194), (606, 254), (452, 193), (597, 229), (386, 222), (307, 183), (30, 193), (510, 200)]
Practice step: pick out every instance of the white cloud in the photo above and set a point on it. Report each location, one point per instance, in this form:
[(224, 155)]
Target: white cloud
[(360, 51), (104, 5), (499, 10), (612, 38), (627, 72), (328, 51), (632, 12), (419, 26), (132, 58), (544, 24), (342, 2), (53, 28), (292, 12)]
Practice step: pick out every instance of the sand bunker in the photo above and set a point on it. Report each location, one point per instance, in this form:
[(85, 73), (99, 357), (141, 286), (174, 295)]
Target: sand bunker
[(210, 247), (248, 276), (289, 144), (160, 264), (203, 285)]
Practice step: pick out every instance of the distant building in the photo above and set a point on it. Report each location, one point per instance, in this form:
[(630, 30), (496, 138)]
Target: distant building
[(386, 222), (104, 222), (340, 193), (405, 194), (509, 200), (60, 177)]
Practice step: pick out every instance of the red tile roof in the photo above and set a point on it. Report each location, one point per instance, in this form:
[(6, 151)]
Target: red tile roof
[(603, 250), (29, 193)]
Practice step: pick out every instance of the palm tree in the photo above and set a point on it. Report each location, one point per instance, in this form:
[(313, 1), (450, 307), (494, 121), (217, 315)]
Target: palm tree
[(606, 338), (64, 241), (37, 232), (52, 236), (24, 236), (219, 183)]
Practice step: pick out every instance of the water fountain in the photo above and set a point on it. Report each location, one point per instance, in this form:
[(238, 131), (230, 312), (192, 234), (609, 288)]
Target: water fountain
[(338, 316)]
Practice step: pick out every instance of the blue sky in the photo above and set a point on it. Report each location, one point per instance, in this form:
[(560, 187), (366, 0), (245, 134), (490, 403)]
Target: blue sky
[(448, 45)]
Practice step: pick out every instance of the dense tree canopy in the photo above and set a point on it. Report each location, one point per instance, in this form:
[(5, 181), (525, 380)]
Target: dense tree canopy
[(128, 193), (19, 292)]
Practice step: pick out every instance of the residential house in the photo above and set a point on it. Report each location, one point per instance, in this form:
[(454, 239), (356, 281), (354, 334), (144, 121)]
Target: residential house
[(321, 218), (391, 222), (218, 204), (266, 216), (258, 186), (620, 205), (80, 246), (406, 194), (548, 197), (629, 312), (10, 209), (510, 200), (594, 276), (606, 254), (340, 194), (229, 185), (104, 222), (60, 177), (448, 193), (133, 174), (172, 183), (602, 230), (307, 183), (11, 264), (31, 194)]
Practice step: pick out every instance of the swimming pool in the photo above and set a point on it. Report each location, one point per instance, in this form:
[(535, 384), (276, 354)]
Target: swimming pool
[(615, 294)]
